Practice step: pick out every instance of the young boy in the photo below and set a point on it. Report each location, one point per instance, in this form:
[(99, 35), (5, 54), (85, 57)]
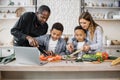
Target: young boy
[(78, 41), (53, 41)]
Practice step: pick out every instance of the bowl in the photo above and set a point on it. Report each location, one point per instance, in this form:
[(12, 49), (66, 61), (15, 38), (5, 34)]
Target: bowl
[(115, 42)]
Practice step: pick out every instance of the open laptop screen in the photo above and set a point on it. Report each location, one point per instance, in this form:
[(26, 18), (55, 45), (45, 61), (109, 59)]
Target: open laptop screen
[(27, 55)]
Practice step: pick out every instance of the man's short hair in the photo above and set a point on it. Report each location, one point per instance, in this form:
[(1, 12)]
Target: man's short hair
[(43, 8)]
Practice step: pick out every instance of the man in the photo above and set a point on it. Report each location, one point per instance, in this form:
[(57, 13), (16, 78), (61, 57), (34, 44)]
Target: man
[(31, 25)]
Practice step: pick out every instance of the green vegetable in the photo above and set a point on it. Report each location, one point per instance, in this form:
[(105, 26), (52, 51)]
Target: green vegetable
[(112, 57), (91, 57), (79, 60)]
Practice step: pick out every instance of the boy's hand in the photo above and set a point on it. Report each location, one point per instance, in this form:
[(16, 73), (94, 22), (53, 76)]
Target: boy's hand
[(70, 47), (50, 53), (33, 42)]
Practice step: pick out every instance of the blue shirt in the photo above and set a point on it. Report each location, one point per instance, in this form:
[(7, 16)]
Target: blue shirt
[(44, 41), (96, 44)]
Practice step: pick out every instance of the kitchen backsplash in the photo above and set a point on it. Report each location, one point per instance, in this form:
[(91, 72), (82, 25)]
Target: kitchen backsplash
[(111, 30), (67, 14)]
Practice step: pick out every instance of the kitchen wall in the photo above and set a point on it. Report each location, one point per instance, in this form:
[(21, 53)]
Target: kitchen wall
[(66, 12), (5, 36), (111, 29)]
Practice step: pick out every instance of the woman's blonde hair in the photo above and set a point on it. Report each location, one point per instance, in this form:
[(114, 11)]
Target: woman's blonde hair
[(87, 16)]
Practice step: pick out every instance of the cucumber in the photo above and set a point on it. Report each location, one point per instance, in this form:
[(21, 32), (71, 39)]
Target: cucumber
[(112, 57), (79, 60)]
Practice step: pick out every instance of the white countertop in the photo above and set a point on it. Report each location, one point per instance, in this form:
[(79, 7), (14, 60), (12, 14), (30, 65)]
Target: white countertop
[(61, 66)]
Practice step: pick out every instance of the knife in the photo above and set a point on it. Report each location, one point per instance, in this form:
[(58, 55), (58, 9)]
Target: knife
[(44, 52)]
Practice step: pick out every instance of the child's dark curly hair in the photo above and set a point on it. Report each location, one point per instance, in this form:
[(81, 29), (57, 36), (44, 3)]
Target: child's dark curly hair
[(58, 26), (80, 27)]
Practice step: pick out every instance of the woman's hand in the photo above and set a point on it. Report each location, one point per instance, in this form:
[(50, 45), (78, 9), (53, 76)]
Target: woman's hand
[(86, 48), (33, 42), (70, 47)]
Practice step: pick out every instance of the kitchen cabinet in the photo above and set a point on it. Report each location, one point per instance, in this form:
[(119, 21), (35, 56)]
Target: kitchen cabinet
[(102, 9), (60, 71), (9, 8), (113, 50)]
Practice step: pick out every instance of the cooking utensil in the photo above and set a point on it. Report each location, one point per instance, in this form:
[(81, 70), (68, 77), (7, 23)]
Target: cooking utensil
[(44, 52), (75, 52), (70, 57)]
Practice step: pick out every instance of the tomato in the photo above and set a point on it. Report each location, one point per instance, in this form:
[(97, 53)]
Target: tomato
[(43, 58), (50, 58), (58, 57), (55, 58), (105, 55)]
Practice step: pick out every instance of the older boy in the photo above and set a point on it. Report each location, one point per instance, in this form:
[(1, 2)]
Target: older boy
[(53, 41)]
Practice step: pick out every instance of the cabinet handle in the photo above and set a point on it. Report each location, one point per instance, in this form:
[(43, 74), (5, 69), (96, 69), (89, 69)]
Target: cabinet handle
[(117, 50)]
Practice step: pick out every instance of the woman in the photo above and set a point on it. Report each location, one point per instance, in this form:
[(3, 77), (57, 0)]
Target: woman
[(94, 33)]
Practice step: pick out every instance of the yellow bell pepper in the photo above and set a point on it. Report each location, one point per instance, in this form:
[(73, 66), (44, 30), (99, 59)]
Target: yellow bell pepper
[(99, 54)]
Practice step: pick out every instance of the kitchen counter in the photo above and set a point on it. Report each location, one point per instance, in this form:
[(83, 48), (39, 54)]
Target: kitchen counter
[(61, 66), (60, 71), (112, 47)]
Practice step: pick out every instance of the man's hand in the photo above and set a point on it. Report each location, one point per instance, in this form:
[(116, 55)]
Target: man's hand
[(33, 42)]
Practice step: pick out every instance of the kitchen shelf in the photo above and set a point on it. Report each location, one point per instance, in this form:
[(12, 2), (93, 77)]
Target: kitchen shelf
[(108, 12), (16, 6), (107, 19), (97, 7), (9, 18)]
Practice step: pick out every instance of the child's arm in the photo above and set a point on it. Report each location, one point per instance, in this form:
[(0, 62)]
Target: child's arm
[(70, 47)]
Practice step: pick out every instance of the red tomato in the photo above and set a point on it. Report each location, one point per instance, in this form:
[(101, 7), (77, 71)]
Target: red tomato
[(50, 58), (58, 57), (43, 58), (105, 55)]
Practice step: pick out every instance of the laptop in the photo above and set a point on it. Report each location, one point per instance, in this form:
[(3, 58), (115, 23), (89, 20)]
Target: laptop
[(27, 55)]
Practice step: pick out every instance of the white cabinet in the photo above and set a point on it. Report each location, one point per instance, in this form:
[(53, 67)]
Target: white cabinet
[(8, 8), (102, 9), (113, 50)]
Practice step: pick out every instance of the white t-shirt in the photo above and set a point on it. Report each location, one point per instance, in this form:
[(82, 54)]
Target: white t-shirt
[(52, 45), (80, 44)]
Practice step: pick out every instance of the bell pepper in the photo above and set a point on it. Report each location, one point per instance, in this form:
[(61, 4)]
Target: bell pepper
[(99, 54)]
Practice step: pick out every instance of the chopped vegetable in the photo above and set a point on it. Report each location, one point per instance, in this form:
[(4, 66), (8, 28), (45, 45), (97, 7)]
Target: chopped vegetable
[(50, 58)]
